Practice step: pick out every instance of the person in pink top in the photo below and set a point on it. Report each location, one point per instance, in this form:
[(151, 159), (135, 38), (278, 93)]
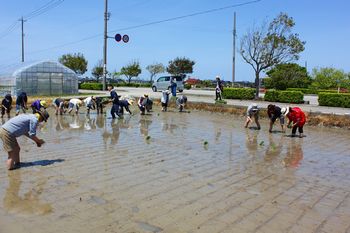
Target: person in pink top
[(296, 120)]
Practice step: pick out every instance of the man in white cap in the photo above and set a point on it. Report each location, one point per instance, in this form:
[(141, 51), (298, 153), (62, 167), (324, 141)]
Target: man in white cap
[(252, 111), (24, 124)]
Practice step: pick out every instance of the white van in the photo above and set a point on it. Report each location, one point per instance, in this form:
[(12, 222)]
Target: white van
[(163, 83)]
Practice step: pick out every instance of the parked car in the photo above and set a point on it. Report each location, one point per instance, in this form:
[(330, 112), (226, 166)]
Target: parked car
[(163, 83)]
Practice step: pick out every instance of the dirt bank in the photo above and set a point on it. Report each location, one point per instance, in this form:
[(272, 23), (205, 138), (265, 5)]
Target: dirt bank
[(313, 118)]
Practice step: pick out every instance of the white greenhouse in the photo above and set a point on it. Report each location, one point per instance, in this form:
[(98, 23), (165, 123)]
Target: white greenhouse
[(41, 78)]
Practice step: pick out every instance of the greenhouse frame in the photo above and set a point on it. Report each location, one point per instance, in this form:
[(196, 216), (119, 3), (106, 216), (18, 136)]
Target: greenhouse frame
[(41, 78)]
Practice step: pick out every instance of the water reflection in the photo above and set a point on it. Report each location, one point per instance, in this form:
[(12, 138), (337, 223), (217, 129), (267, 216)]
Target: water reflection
[(252, 141), (29, 202), (144, 126), (274, 148), (295, 154)]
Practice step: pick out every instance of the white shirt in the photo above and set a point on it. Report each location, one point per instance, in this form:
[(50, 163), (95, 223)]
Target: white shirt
[(76, 102)]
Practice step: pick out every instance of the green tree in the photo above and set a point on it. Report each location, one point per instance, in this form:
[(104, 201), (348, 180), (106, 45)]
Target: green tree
[(97, 71), (180, 66), (326, 77), (288, 75), (263, 48), (132, 70), (155, 69), (75, 62)]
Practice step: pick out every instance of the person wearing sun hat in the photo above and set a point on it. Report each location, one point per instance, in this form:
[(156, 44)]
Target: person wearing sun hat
[(252, 111), (25, 124), (125, 104), (37, 105)]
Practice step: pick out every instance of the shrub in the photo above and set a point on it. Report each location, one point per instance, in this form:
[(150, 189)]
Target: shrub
[(124, 84), (304, 90), (91, 86), (295, 97), (187, 86), (334, 100), (239, 93), (271, 95)]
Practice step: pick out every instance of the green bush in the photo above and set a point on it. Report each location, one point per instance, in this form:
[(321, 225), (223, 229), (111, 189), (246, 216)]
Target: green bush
[(295, 97), (304, 90), (187, 86), (124, 84), (239, 93), (271, 95), (334, 100), (91, 86)]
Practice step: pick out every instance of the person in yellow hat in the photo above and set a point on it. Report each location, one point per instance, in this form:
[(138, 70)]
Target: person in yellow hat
[(24, 124), (125, 104), (37, 105)]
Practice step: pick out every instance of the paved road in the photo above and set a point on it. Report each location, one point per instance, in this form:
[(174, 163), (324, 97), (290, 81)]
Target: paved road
[(208, 96)]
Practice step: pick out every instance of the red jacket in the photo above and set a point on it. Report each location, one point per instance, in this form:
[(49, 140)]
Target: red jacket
[(296, 115)]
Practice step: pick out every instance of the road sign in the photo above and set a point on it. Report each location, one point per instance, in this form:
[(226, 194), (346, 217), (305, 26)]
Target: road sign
[(125, 38), (118, 37)]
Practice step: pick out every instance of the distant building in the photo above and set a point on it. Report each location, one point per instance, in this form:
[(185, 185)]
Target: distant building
[(41, 78)]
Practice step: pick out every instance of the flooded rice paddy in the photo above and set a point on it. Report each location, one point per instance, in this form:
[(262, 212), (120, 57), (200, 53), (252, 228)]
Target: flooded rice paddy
[(176, 172)]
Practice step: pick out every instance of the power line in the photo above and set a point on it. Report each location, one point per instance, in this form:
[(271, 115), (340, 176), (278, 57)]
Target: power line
[(149, 24), (41, 10), (10, 29)]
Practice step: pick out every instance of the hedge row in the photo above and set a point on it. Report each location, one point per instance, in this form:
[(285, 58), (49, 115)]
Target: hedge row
[(99, 86), (334, 100), (295, 97), (91, 86), (239, 93), (311, 91), (133, 84)]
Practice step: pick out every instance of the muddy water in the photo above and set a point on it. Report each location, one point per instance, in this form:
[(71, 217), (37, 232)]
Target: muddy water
[(176, 172)]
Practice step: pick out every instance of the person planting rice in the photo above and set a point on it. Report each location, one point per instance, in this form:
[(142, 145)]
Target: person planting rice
[(21, 103), (125, 104), (144, 103), (59, 104), (275, 112), (89, 103), (99, 105), (115, 101), (252, 111), (165, 100), (181, 102), (74, 103), (37, 105), (16, 127), (296, 120), (6, 105)]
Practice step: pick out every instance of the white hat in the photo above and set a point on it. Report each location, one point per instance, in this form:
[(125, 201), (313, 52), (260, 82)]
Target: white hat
[(217, 76), (285, 111)]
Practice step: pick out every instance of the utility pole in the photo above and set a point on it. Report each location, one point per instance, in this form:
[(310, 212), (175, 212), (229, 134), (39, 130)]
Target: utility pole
[(234, 49), (22, 22), (106, 16)]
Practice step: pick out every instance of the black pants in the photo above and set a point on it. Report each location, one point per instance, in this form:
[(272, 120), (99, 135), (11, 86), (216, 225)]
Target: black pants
[(300, 129), (115, 110), (218, 95)]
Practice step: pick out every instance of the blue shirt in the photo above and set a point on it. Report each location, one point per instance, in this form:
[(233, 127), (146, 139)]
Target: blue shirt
[(22, 125), (114, 97)]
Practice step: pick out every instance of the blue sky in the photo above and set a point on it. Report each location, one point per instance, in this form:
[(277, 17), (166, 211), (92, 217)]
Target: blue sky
[(206, 39)]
